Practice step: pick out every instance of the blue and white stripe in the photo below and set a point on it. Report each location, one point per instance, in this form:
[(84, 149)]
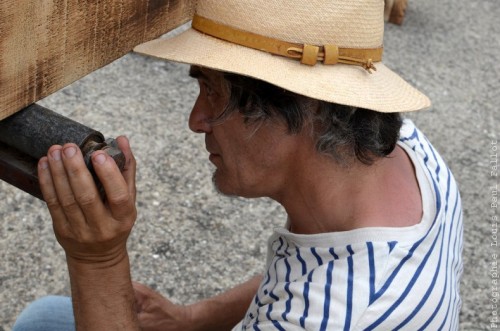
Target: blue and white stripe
[(372, 278)]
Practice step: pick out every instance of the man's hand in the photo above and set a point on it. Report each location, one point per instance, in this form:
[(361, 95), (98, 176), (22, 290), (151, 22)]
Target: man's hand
[(219, 313), (89, 230), (94, 232), (156, 313)]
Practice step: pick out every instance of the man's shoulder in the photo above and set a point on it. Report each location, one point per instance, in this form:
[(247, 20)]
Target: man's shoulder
[(408, 130)]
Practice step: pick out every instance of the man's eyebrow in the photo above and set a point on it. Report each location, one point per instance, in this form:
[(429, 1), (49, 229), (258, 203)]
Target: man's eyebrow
[(195, 72)]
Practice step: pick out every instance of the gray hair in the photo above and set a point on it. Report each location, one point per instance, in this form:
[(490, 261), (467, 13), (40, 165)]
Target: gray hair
[(340, 131)]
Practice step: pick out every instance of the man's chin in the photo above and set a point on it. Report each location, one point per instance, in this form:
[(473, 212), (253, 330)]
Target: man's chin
[(220, 188)]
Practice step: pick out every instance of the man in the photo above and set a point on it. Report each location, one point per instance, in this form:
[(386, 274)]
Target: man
[(295, 105)]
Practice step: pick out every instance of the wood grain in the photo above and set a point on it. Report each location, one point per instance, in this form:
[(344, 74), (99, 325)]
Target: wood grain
[(46, 45)]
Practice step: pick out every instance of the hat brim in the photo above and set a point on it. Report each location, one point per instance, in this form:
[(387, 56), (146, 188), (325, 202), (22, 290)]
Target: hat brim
[(382, 91)]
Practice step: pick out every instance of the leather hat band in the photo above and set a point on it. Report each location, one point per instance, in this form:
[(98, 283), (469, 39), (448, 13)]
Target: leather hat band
[(307, 54)]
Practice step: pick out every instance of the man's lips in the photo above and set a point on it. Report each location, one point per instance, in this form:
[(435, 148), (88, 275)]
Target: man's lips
[(211, 148), (212, 153), (213, 157)]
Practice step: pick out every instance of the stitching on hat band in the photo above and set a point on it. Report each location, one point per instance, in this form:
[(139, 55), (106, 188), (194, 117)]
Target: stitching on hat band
[(307, 54)]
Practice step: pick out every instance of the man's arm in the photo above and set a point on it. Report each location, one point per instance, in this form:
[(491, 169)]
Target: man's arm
[(103, 297), (219, 313), (224, 311), (94, 233)]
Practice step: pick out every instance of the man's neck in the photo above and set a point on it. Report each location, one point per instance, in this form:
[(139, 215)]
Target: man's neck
[(325, 197)]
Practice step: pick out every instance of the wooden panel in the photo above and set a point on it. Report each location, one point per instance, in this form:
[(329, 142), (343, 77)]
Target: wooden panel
[(46, 45)]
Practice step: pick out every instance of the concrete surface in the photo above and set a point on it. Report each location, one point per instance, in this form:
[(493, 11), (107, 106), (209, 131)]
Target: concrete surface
[(189, 242)]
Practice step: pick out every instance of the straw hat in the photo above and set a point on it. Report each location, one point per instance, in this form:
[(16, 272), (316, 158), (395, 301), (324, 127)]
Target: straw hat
[(329, 50)]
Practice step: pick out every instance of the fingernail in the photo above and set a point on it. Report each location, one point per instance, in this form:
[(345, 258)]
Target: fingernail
[(69, 151), (100, 158), (44, 164), (56, 154)]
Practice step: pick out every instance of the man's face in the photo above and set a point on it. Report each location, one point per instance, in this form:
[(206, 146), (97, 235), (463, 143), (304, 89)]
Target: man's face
[(252, 160)]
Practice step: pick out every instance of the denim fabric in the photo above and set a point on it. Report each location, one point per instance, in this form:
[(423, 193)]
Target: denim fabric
[(51, 313)]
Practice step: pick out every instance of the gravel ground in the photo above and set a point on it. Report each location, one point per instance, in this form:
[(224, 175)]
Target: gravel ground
[(181, 243)]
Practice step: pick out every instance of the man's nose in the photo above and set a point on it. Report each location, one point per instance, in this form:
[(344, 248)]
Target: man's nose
[(199, 119)]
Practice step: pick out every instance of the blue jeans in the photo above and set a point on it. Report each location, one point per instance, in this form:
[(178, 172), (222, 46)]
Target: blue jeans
[(51, 313)]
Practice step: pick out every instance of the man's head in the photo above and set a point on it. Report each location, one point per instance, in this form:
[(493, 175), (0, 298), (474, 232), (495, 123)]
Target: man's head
[(342, 132), (293, 78), (256, 131)]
